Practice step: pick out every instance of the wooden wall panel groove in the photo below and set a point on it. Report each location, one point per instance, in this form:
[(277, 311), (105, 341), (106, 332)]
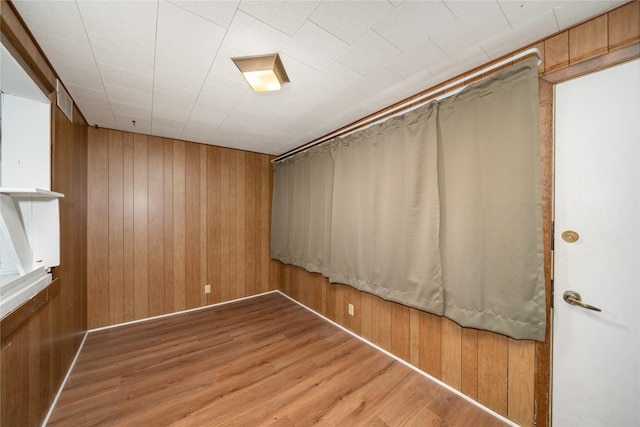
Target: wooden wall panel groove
[(177, 216)]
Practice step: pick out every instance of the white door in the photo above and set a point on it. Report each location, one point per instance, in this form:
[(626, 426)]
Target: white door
[(596, 355)]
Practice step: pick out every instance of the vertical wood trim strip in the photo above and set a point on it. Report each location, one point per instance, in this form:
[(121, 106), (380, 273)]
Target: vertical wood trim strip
[(469, 363), (167, 208), (492, 371), (203, 224), (179, 225), (128, 238), (521, 381), (250, 238), (98, 229), (213, 224), (451, 353), (225, 225), (116, 228), (155, 202), (140, 228), (192, 285)]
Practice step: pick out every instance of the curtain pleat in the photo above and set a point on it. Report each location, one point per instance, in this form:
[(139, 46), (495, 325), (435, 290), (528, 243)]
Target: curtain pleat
[(437, 209), (491, 204), (386, 214), (301, 221)]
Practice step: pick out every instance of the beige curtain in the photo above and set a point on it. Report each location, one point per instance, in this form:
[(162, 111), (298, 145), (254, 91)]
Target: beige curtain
[(438, 209), (386, 214), (301, 218), (490, 194)]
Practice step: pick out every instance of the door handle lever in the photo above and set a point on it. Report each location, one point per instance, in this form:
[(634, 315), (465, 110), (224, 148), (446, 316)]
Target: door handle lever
[(573, 298)]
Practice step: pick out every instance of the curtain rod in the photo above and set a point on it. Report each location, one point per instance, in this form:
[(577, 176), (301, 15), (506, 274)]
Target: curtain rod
[(408, 104)]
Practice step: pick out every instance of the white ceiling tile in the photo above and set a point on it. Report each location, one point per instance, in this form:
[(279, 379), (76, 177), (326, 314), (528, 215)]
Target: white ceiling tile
[(522, 35), (221, 92), (132, 112), (58, 19), (120, 77), (335, 77), (417, 60), (140, 126), (183, 58), (575, 11), (380, 79), (286, 16), (412, 21), (249, 36), (471, 29), (164, 114), (462, 7), (129, 22), (127, 96), (297, 71), (206, 117), (74, 62), (223, 66), (121, 55), (519, 13), (314, 46), (219, 12), (259, 104), (288, 109), (166, 131), (230, 130), (368, 53), (348, 20), (469, 59), (83, 94), (310, 94)]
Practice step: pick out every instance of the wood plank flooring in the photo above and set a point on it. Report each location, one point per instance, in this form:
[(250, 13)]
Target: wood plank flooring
[(265, 361)]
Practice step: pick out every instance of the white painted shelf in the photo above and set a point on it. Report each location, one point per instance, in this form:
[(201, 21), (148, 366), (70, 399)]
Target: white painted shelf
[(30, 192)]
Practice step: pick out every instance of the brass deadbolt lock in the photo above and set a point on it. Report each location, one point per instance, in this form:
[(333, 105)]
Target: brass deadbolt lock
[(570, 236)]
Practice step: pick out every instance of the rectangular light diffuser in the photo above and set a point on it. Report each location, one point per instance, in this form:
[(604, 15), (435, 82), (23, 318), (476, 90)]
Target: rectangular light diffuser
[(263, 73)]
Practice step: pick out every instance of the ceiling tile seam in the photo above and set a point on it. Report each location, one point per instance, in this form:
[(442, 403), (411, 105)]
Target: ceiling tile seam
[(506, 18), (348, 43), (277, 29), (155, 59), (177, 4), (95, 61), (555, 16), (226, 31)]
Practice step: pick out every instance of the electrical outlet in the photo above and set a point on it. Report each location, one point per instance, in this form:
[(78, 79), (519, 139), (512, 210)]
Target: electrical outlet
[(350, 309), (207, 289)]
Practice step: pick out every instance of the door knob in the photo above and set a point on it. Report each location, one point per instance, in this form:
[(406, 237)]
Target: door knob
[(573, 298)]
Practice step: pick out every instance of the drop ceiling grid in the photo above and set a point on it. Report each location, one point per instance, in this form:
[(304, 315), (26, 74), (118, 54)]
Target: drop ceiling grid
[(166, 64)]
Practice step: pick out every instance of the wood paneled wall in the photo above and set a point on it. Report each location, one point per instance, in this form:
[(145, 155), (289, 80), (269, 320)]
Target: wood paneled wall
[(509, 376), (166, 218), (40, 339)]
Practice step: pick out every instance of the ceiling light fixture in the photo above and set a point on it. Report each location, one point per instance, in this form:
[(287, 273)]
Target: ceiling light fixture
[(264, 73)]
